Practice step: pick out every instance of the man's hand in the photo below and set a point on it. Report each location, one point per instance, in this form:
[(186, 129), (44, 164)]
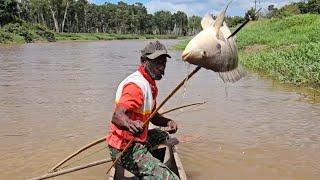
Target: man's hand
[(123, 122), (171, 127), (135, 127)]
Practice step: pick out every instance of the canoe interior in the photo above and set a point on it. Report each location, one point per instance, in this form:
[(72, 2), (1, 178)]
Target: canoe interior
[(165, 153)]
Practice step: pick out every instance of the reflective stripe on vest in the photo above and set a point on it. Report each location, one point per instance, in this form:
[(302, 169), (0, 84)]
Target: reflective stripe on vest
[(138, 79)]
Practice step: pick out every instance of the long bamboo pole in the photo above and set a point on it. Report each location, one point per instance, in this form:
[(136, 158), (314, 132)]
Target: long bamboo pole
[(180, 107), (98, 141), (242, 25), (50, 175), (77, 152), (155, 112), (96, 163)]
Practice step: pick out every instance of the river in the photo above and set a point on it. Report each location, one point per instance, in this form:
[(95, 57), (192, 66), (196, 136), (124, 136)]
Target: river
[(58, 97)]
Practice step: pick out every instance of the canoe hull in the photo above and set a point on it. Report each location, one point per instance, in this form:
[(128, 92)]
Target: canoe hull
[(165, 153)]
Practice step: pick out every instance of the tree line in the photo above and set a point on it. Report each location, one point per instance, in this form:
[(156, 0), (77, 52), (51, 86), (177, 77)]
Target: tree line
[(81, 16), (302, 7), (294, 8)]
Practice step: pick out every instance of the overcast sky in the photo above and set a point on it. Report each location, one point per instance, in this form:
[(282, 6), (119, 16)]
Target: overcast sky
[(200, 7)]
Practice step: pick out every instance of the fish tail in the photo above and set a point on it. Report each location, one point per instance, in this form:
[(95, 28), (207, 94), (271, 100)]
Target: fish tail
[(233, 75)]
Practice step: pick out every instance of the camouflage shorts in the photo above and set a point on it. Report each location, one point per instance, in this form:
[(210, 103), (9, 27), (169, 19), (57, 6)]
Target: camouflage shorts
[(139, 161)]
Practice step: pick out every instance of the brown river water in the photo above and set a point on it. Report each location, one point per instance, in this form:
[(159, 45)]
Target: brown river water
[(58, 97)]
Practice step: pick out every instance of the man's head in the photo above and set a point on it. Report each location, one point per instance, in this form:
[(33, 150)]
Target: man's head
[(154, 58)]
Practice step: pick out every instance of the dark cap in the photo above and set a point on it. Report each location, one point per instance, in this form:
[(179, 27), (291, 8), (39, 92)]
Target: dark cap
[(154, 49)]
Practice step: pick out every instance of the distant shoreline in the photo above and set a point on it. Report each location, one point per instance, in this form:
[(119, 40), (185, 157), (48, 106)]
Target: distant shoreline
[(107, 36), (92, 37)]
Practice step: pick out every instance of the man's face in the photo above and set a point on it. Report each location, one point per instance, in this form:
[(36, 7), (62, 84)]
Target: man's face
[(156, 67)]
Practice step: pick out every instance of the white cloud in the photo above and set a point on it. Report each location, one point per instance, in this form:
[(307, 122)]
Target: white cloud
[(157, 5), (200, 7)]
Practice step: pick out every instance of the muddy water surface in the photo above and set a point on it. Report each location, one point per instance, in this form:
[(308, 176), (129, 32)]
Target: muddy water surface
[(57, 97)]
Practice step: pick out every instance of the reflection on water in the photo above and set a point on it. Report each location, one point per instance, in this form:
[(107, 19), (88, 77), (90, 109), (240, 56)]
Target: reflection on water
[(57, 97)]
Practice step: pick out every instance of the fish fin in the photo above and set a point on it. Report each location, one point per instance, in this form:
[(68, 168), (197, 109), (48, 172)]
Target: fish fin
[(220, 18), (233, 75), (207, 21)]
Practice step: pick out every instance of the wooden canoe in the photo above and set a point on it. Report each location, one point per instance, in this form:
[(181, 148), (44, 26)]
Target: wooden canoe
[(165, 153)]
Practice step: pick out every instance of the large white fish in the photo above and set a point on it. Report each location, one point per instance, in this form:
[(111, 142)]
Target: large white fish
[(212, 49)]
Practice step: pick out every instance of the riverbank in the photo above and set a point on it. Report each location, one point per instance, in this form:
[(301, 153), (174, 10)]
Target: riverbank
[(19, 33), (22, 32), (106, 36), (286, 49)]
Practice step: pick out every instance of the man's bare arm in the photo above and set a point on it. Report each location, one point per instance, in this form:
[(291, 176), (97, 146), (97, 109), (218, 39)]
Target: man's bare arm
[(159, 120), (123, 122), (170, 125)]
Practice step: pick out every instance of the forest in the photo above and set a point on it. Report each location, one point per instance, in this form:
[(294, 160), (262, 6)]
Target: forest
[(47, 19)]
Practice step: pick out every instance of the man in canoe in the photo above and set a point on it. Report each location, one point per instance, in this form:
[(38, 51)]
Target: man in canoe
[(135, 101)]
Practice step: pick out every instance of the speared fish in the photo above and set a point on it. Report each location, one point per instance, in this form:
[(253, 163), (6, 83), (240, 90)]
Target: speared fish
[(213, 49)]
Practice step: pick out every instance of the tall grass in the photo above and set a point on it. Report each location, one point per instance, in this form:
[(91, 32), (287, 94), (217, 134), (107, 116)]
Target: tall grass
[(278, 32), (291, 50), (299, 65), (182, 44)]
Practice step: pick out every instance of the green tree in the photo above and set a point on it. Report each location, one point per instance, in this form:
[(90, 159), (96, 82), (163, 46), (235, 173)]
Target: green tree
[(234, 21), (82, 16), (163, 21), (143, 22), (289, 10), (38, 12), (272, 11), (250, 14), (9, 11), (314, 6), (180, 21), (194, 25)]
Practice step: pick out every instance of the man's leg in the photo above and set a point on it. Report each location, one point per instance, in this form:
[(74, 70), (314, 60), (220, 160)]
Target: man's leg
[(140, 162), (156, 137), (151, 168)]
